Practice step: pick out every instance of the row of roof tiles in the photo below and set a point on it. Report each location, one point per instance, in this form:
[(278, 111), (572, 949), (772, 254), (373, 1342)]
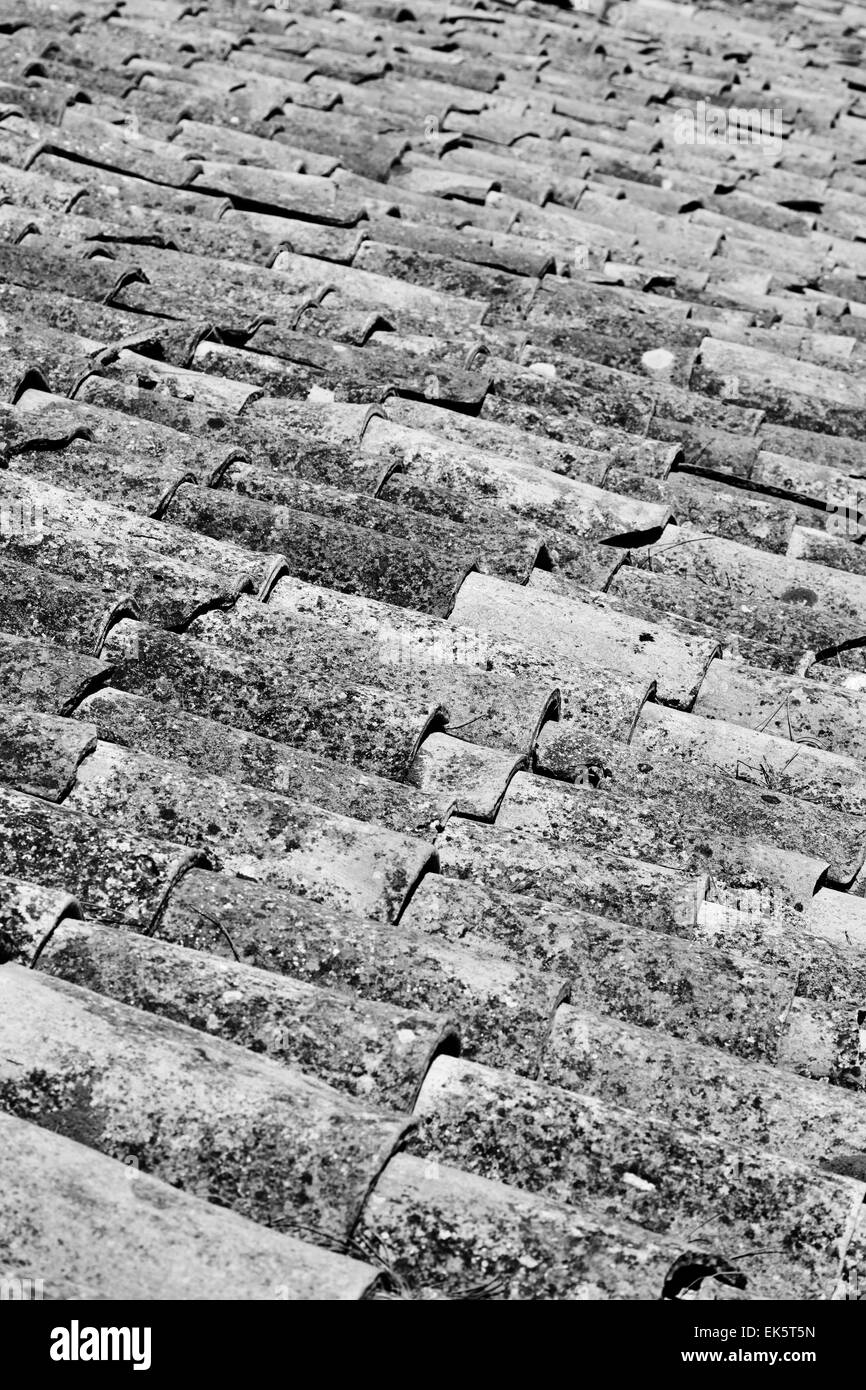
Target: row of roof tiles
[(432, 617)]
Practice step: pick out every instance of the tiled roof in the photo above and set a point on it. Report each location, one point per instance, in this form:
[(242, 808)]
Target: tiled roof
[(432, 617)]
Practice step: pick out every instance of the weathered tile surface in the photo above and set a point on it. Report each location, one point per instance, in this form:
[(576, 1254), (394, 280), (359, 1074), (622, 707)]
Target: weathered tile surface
[(433, 648)]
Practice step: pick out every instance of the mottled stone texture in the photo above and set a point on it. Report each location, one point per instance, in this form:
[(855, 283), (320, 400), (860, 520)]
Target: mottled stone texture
[(643, 977), (222, 750), (502, 1008), (372, 1051), (164, 1243), (583, 1152), (446, 1233), (258, 835), (28, 913), (239, 1130), (40, 753), (43, 676), (707, 1091), (432, 653), (115, 874), (338, 555), (293, 697)]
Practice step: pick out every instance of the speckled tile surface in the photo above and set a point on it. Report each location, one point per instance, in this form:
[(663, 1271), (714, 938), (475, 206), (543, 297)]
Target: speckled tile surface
[(432, 631)]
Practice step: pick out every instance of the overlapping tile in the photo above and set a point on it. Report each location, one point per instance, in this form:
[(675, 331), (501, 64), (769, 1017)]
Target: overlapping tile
[(432, 631)]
